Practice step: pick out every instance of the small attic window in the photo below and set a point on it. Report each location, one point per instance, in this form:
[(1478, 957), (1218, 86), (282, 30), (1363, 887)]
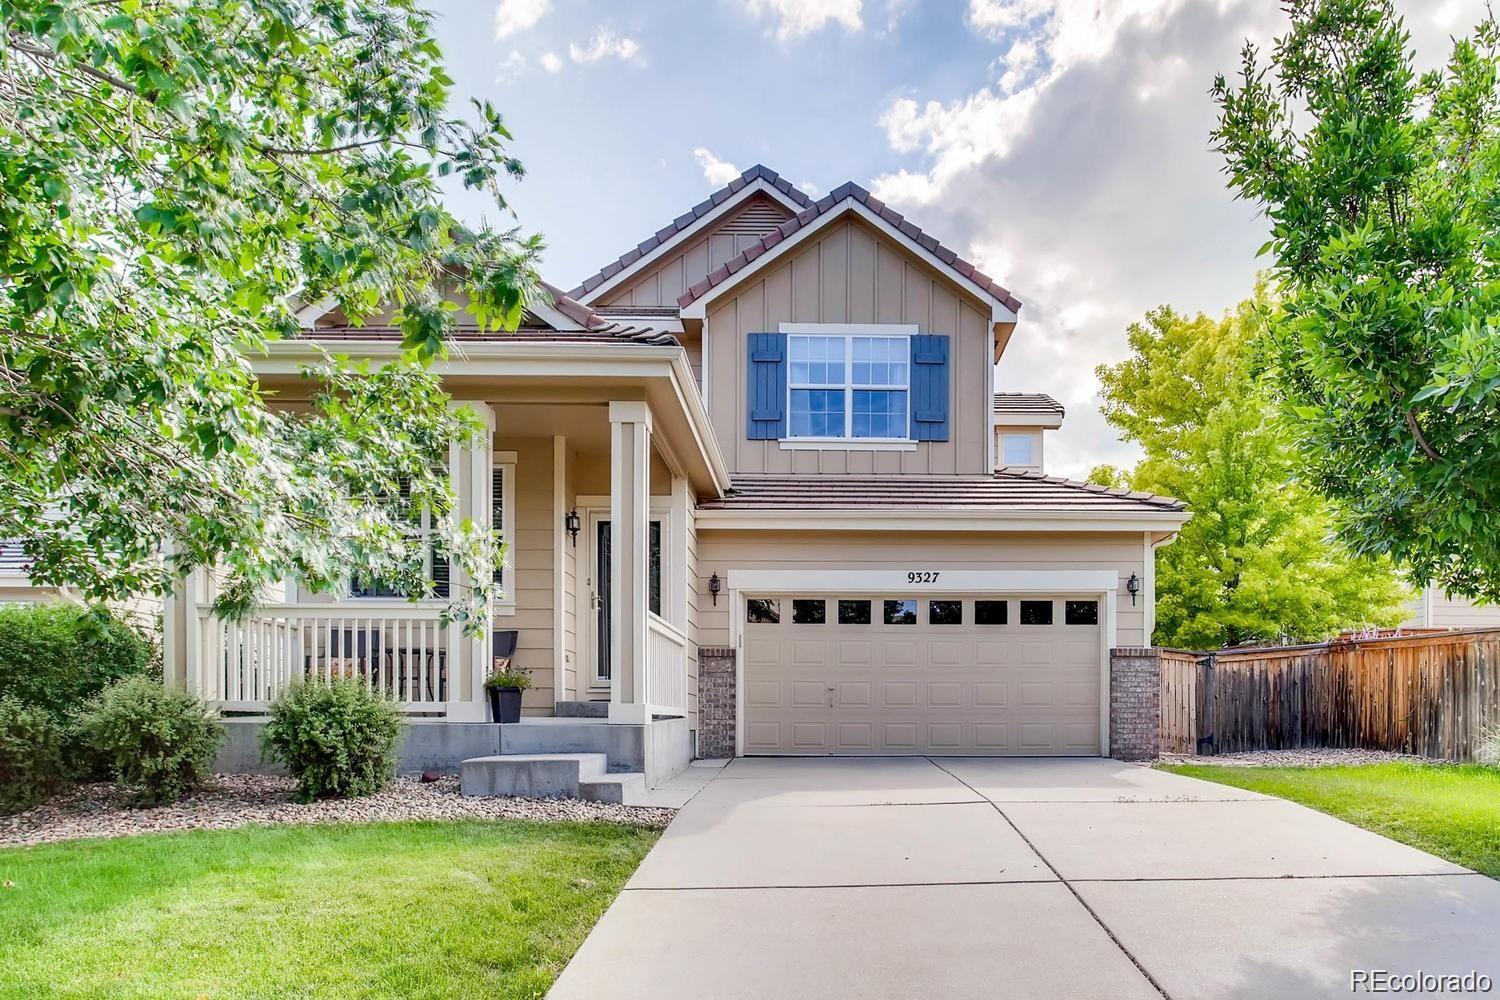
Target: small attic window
[(1017, 449)]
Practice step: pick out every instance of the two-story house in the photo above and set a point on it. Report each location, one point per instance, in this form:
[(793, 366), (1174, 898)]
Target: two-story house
[(760, 495)]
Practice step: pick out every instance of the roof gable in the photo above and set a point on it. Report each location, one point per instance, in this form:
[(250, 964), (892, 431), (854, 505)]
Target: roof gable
[(757, 180), (847, 199)]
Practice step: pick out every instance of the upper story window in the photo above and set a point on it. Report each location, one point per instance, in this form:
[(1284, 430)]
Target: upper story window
[(848, 386), (1017, 449)]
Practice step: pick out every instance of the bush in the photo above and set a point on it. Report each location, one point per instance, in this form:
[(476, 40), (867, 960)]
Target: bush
[(31, 759), (510, 677), (337, 738), (59, 656), (155, 740)]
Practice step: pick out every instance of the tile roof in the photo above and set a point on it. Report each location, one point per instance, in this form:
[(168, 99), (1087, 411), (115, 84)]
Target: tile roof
[(846, 192), (1006, 490), (1027, 402), (692, 215)]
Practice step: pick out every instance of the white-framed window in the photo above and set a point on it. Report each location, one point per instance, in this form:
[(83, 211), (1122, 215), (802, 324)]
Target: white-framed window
[(853, 385), (503, 517), (1017, 449)]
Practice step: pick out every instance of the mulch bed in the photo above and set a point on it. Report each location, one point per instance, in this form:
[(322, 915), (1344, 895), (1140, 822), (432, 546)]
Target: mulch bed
[(243, 799)]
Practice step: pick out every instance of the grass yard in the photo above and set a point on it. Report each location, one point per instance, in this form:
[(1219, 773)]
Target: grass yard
[(1449, 810), (464, 909)]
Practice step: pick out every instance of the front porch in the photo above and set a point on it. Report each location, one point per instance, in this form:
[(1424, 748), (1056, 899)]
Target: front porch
[(601, 615)]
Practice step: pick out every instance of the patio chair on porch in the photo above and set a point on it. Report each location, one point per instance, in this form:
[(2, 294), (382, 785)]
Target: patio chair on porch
[(503, 648), (343, 653)]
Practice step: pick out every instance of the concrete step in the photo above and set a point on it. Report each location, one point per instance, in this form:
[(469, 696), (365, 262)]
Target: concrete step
[(624, 745), (583, 709), (532, 775), (626, 788)]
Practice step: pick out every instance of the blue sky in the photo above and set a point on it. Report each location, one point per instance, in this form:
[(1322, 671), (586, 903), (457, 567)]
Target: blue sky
[(1062, 144)]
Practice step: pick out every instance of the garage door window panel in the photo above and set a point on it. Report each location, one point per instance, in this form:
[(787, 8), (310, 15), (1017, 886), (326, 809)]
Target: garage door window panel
[(854, 612), (1036, 612), (809, 612), (1081, 613), (901, 612), (945, 612), (760, 611), (991, 612)]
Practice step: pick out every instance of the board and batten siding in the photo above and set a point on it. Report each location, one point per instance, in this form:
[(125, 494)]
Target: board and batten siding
[(533, 557), (724, 552), (680, 269), (850, 274)]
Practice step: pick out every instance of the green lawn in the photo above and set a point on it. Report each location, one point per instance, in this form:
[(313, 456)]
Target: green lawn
[(1449, 810), (472, 909)]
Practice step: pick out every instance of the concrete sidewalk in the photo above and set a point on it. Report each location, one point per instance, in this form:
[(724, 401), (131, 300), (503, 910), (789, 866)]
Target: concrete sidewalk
[(913, 877)]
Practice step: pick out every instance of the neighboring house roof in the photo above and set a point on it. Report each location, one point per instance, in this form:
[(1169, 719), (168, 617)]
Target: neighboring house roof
[(1004, 490), (683, 222), (850, 192), (1027, 402), (610, 333)]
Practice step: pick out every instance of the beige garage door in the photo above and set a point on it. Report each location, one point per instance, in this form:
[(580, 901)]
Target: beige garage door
[(960, 674)]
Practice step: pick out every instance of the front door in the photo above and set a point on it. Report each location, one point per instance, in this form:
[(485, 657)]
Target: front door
[(600, 621)]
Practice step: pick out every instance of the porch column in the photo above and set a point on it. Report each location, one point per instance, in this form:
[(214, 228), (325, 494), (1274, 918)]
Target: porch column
[(469, 467), (629, 511)]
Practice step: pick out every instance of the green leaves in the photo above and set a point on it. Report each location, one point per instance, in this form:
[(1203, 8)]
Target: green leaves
[(1386, 237), (175, 179)]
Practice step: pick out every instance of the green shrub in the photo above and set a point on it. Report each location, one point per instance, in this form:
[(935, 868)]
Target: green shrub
[(337, 738), (59, 655), (31, 759), (510, 677), (157, 741)]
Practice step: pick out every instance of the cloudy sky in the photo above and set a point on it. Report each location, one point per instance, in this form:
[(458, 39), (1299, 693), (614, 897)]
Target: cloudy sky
[(1061, 144)]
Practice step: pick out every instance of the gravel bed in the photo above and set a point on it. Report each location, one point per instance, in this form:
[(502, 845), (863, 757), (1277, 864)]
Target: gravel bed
[(1328, 757), (252, 799)]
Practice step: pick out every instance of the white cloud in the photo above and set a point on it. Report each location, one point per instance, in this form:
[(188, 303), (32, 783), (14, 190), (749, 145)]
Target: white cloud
[(810, 189), (716, 171), (604, 44), (1019, 63), (796, 18), (550, 62), (511, 67), (512, 16)]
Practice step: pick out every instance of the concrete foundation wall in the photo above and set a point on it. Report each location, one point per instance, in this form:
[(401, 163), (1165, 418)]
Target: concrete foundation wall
[(426, 746)]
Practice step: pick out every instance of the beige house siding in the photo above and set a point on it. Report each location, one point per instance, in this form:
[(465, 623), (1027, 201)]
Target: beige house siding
[(723, 552), (1448, 611), (666, 279), (532, 556), (852, 275)]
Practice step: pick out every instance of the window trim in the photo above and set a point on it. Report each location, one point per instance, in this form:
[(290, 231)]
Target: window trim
[(505, 461), (849, 332)]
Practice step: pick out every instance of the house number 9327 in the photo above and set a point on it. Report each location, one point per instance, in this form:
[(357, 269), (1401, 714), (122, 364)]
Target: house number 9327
[(922, 576)]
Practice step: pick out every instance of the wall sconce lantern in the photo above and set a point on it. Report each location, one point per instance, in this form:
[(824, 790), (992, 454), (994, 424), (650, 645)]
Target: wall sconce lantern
[(714, 586), (1134, 586), (574, 524)]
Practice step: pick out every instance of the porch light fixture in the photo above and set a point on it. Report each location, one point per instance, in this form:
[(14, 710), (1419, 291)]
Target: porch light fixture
[(574, 524), (714, 586), (1134, 586)]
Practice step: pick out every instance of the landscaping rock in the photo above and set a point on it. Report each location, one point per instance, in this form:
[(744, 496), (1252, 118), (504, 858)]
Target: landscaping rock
[(1313, 757), (252, 799)]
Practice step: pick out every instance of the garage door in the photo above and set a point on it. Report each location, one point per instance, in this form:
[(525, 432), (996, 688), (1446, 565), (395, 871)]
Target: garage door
[(959, 674)]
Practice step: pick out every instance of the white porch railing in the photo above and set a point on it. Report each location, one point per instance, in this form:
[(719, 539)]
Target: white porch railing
[(666, 667), (402, 650)]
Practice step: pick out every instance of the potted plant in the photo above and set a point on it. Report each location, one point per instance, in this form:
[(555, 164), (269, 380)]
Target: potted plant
[(504, 687)]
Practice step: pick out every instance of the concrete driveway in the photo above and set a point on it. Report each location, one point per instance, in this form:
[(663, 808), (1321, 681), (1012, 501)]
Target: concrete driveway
[(945, 877)]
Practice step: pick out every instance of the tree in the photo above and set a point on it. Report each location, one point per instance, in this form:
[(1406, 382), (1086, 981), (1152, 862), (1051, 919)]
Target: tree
[(1386, 247), (177, 178), (1257, 562)]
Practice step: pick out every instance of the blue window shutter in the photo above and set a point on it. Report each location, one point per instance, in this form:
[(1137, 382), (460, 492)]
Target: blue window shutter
[(765, 375), (929, 387)]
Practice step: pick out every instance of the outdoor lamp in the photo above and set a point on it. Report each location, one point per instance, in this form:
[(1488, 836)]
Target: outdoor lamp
[(574, 524), (714, 586), (1134, 586)]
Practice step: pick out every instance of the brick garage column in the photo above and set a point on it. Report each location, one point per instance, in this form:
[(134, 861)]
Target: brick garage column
[(716, 691), (1134, 703)]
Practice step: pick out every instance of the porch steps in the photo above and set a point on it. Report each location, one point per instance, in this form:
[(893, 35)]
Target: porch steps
[(622, 789), (543, 775), (624, 745), (583, 709)]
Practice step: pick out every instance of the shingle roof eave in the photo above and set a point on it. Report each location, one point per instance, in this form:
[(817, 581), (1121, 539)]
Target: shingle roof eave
[(1005, 490)]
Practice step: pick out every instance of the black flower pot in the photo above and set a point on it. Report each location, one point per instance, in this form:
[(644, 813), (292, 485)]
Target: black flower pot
[(505, 704)]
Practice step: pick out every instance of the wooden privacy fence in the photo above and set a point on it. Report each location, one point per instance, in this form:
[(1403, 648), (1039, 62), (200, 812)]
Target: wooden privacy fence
[(1434, 695)]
